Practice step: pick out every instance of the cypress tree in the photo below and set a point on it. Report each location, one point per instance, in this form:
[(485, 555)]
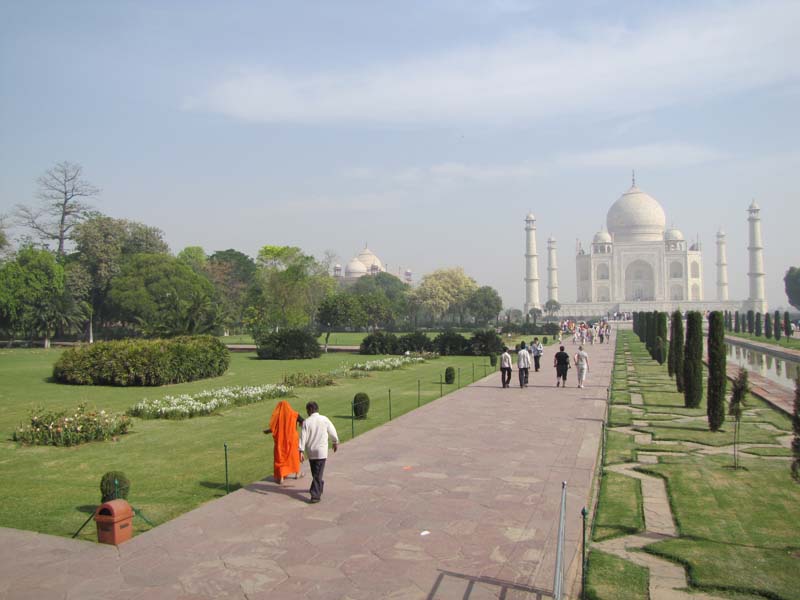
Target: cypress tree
[(736, 322), (636, 323), (776, 326), (717, 374), (661, 332), (768, 326), (751, 318), (796, 428), (651, 333), (740, 389), (676, 354), (693, 360), (787, 325), (758, 331), (671, 356)]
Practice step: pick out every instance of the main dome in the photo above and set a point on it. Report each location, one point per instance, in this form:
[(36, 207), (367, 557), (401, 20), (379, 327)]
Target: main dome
[(636, 217)]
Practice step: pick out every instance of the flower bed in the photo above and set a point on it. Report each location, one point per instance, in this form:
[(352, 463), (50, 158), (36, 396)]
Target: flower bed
[(63, 428), (387, 364), (206, 402), (302, 379)]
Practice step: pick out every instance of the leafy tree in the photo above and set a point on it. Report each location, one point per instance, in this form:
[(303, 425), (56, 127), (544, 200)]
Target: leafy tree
[(339, 310), (717, 373), (194, 257), (376, 309), (162, 297), (693, 360), (394, 293), (232, 273), (676, 350), (535, 313), (61, 193), (736, 408), (758, 330), (776, 326), (551, 307), (446, 292), (485, 304), (768, 326), (4, 243), (791, 282)]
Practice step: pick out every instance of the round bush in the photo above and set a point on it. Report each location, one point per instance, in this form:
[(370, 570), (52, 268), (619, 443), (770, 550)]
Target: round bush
[(493, 360), (143, 362), (414, 342), (360, 405), (287, 344), (380, 343), (486, 342), (109, 489), (449, 375), (451, 343)]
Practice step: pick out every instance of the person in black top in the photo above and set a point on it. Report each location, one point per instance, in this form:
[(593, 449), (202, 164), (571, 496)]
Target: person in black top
[(561, 363)]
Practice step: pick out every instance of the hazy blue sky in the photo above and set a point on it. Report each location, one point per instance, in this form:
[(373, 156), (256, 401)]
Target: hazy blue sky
[(427, 129)]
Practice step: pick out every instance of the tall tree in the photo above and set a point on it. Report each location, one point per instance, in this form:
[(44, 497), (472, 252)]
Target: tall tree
[(661, 334), (693, 360), (551, 307), (751, 321), (776, 326), (768, 326), (194, 257), (791, 282), (736, 325), (339, 310), (717, 372), (787, 325), (395, 292), (677, 349), (758, 329), (652, 325), (62, 193), (232, 273), (736, 408), (485, 304)]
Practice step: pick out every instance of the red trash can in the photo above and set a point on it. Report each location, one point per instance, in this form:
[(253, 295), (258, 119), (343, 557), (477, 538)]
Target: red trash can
[(114, 522)]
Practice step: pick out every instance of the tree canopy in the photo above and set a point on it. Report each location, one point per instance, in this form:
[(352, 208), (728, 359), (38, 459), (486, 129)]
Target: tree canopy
[(791, 283)]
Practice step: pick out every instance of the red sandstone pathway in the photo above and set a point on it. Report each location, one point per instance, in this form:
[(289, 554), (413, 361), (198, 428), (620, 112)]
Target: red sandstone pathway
[(458, 499)]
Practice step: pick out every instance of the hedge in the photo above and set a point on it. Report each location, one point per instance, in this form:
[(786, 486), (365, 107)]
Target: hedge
[(287, 344), (143, 362)]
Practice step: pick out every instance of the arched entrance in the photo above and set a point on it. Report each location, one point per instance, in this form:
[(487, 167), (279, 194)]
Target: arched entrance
[(639, 281)]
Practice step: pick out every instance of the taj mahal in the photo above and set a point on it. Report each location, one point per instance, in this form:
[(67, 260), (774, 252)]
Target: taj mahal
[(637, 263)]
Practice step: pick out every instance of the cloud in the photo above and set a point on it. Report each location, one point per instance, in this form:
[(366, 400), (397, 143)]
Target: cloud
[(658, 155), (610, 71)]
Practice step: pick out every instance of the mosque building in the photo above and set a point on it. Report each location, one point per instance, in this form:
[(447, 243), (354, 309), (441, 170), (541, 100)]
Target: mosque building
[(637, 263), (365, 263)]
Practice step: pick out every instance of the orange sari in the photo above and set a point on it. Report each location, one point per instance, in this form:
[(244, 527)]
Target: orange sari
[(286, 455)]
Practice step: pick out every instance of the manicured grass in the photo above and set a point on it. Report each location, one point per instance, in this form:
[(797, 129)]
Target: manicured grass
[(768, 451), (173, 466), (619, 417), (697, 431), (620, 509), (793, 342), (611, 578), (740, 529), (619, 448)]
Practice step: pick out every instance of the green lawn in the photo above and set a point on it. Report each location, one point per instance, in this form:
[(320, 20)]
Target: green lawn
[(620, 509), (611, 578), (793, 342), (173, 466)]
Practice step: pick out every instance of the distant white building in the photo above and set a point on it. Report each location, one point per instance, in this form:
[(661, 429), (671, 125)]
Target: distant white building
[(365, 263), (636, 263)]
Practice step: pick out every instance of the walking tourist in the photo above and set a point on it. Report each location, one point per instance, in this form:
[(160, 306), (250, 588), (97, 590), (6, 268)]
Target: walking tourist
[(283, 427), (561, 363), (582, 362), (523, 365), (537, 350), (317, 431), (505, 367)]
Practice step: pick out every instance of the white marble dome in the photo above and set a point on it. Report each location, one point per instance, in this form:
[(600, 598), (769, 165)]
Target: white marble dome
[(355, 268), (602, 237), (673, 235), (367, 258), (636, 217)]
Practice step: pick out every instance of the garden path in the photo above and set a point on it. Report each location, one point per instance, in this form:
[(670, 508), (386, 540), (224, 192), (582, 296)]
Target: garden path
[(458, 499)]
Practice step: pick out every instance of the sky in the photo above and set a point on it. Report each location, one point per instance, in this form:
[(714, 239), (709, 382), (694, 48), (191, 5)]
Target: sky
[(427, 130)]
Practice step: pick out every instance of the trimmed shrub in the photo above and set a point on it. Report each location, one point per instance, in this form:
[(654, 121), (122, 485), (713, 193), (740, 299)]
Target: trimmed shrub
[(486, 342), (717, 374), (787, 325), (768, 326), (493, 360), (308, 379), (758, 331), (776, 326), (693, 360), (751, 320), (62, 428), (109, 490), (416, 341), (287, 344), (380, 343), (449, 375), (143, 362), (450, 343), (360, 405)]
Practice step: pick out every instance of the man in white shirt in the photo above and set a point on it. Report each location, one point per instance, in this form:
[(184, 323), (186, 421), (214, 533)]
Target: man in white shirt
[(523, 365), (317, 430), (537, 350), (582, 362), (505, 368)]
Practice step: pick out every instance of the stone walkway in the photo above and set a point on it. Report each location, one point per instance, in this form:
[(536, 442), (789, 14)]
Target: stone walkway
[(458, 499)]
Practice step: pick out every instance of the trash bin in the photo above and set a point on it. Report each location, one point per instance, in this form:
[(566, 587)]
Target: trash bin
[(114, 522)]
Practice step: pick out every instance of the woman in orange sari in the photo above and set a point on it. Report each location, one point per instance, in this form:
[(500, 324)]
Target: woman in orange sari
[(283, 427)]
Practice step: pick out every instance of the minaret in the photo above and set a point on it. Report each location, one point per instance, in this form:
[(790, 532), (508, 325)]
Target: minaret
[(757, 300), (531, 265), (722, 267), (552, 270)]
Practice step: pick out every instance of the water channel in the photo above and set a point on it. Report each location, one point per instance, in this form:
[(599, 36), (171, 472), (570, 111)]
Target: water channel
[(779, 370)]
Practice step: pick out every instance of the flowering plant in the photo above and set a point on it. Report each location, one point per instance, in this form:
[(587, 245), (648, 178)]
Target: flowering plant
[(387, 364), (206, 402), (68, 428)]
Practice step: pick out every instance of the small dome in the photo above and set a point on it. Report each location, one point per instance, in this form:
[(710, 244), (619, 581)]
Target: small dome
[(636, 217), (754, 205), (368, 259), (602, 237), (355, 268), (530, 217), (673, 235)]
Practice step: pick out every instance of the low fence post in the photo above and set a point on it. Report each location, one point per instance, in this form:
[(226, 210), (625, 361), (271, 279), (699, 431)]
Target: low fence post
[(558, 577), (418, 393), (390, 404), (584, 513), (459, 377), (441, 392), (227, 487), (352, 419)]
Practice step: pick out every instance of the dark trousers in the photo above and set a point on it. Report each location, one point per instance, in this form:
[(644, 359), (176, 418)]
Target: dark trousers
[(505, 376), (317, 470), (523, 376), (536, 361)]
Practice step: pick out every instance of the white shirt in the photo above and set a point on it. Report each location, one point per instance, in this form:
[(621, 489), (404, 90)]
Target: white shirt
[(523, 359), (537, 349), (314, 436), (505, 361)]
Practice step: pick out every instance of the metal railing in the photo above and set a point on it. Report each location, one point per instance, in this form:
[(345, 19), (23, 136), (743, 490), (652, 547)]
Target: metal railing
[(558, 577)]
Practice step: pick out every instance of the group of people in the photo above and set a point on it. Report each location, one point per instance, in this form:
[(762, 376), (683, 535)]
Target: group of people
[(585, 333), (532, 355), (291, 450)]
